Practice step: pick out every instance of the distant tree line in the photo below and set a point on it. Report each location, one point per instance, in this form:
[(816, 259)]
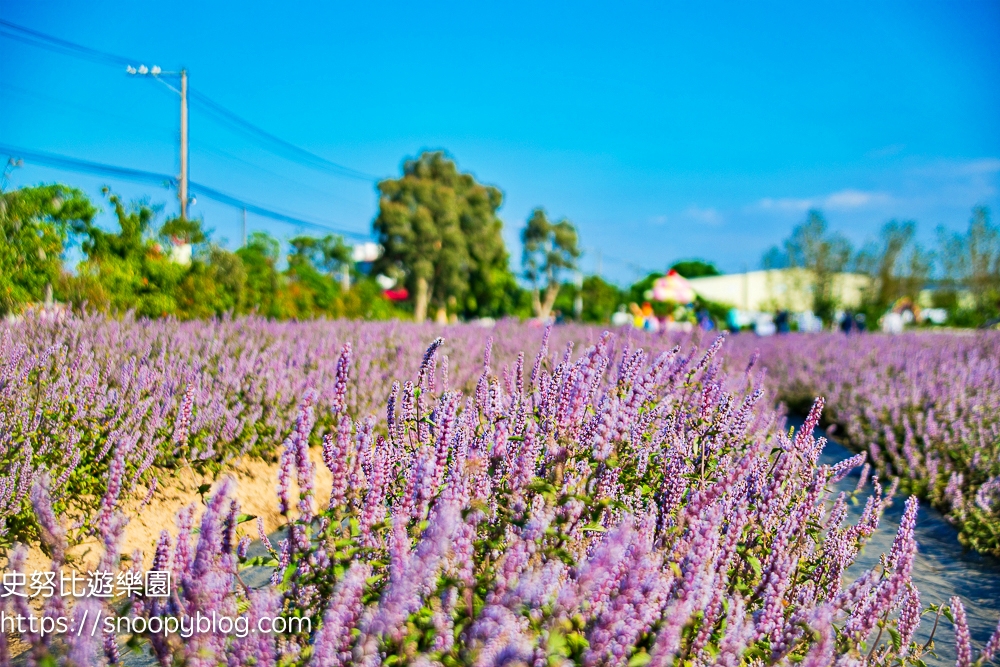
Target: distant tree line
[(442, 248), (141, 266), (962, 274), (438, 228)]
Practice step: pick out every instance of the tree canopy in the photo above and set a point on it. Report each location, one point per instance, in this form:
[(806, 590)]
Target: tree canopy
[(821, 252), (135, 266), (695, 268), (550, 249), (897, 266), (441, 238), (35, 224)]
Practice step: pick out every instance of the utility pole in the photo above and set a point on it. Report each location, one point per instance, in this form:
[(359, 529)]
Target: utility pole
[(183, 190), (158, 74), (244, 228)]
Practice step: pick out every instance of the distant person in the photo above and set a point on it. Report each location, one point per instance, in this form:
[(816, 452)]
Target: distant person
[(705, 320), (847, 322), (764, 325), (860, 322), (892, 323), (733, 320), (781, 322)]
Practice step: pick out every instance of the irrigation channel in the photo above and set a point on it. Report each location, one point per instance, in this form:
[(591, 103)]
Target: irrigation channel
[(943, 568)]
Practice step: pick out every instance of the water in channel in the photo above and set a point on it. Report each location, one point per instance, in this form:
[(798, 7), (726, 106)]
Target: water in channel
[(943, 567)]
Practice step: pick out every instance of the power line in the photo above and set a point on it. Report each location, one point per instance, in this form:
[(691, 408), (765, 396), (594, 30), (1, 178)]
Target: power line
[(88, 167), (223, 198), (126, 173), (274, 143), (197, 146), (40, 39), (277, 144)]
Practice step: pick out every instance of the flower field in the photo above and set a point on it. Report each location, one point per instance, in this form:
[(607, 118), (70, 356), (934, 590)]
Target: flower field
[(925, 407), (516, 496)]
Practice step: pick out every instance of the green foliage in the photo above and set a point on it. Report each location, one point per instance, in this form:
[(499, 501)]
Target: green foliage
[(328, 254), (695, 268), (442, 238), (128, 269), (637, 291), (144, 268), (215, 284), (550, 249), (183, 231), (260, 261), (897, 266), (35, 223), (600, 300), (971, 263), (822, 253)]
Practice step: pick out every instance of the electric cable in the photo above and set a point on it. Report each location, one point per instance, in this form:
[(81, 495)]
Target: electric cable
[(139, 175), (274, 143)]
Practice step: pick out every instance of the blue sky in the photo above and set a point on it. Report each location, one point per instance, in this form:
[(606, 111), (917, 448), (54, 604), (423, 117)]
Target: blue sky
[(664, 131)]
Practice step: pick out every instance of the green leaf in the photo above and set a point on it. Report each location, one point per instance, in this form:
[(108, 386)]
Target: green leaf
[(755, 564), (639, 659)]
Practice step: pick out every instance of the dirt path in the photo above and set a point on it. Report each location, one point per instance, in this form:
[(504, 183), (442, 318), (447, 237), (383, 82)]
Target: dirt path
[(256, 491)]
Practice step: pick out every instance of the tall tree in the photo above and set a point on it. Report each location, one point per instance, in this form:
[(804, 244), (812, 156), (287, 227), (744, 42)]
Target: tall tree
[(440, 235), (821, 253), (971, 261), (897, 266), (550, 249), (35, 223)]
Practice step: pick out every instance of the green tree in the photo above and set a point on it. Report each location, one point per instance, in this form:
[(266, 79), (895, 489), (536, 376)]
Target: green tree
[(35, 225), (328, 254), (550, 249), (971, 262), (129, 269), (318, 292), (695, 268), (260, 261), (823, 254), (183, 231), (216, 283), (600, 299), (441, 236), (897, 267)]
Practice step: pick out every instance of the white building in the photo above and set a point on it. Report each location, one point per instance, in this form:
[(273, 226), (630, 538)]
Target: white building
[(776, 289)]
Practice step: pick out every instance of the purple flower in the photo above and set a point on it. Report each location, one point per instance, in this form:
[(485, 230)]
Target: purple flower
[(963, 642), (332, 644)]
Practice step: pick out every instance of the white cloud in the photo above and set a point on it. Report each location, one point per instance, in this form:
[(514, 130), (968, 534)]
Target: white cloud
[(785, 204), (843, 200), (989, 165), (848, 199), (706, 216)]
